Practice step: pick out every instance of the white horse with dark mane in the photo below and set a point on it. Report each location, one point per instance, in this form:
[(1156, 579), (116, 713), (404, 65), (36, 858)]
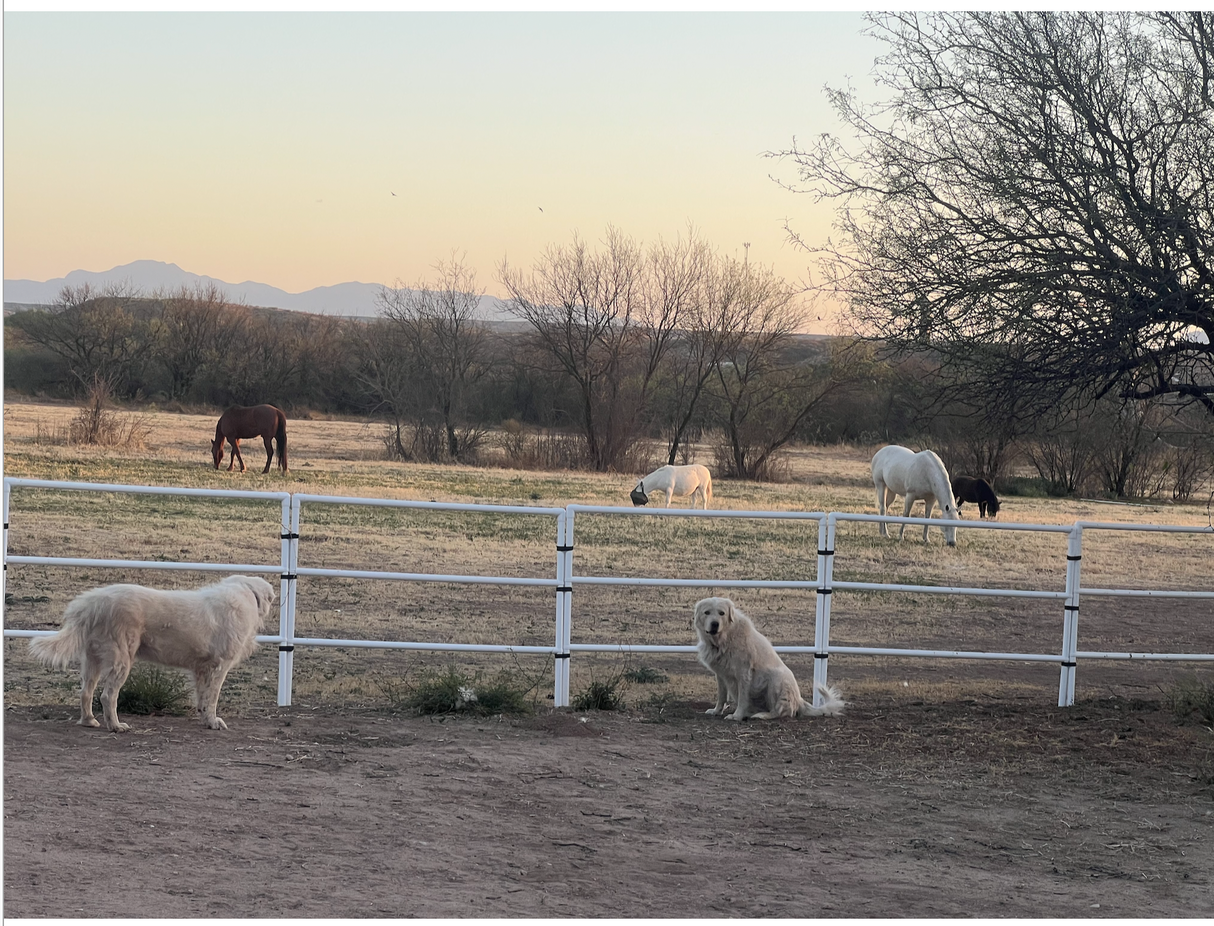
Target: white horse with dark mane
[(693, 480), (901, 471)]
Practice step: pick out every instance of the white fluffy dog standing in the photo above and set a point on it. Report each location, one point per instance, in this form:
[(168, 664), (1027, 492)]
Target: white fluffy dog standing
[(207, 631), (750, 673)]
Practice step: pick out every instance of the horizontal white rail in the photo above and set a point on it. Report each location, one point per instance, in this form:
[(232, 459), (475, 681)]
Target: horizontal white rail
[(421, 577), (432, 647), (142, 564), (17, 482), (946, 590), (692, 583)]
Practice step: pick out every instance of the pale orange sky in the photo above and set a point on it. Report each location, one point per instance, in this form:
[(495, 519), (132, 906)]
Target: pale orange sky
[(269, 146)]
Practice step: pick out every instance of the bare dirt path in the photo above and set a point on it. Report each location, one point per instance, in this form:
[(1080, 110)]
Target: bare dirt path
[(898, 809)]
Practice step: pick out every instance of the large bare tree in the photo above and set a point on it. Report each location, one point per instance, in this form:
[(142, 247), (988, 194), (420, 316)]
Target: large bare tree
[(1034, 202), (605, 320)]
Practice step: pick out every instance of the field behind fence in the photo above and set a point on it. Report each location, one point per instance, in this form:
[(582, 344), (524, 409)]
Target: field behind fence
[(341, 458)]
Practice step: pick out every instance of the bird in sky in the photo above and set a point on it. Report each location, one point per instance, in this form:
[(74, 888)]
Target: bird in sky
[(540, 208)]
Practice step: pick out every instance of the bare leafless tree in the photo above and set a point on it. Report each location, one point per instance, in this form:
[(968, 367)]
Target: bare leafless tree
[(196, 328), (1035, 200), (439, 351), (95, 332), (765, 388), (595, 316)]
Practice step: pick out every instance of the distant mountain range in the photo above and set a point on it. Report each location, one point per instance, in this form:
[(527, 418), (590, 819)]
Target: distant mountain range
[(352, 299)]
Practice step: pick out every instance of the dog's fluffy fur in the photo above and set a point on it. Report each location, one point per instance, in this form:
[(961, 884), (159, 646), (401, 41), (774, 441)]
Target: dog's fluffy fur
[(750, 673), (207, 631)]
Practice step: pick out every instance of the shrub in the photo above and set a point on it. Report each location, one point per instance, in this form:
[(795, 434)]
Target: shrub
[(151, 689), (601, 695), (451, 691), (97, 423)]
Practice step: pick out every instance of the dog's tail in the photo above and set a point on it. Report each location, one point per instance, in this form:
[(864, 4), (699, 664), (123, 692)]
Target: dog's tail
[(832, 704), (67, 646), (61, 649)]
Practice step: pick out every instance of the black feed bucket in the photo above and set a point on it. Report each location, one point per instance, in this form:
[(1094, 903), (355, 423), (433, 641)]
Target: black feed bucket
[(639, 497)]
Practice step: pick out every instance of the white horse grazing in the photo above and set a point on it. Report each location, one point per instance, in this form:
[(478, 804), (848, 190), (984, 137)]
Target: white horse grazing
[(693, 480), (914, 476)]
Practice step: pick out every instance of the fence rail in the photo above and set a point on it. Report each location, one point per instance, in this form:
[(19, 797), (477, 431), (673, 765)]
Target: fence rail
[(563, 580)]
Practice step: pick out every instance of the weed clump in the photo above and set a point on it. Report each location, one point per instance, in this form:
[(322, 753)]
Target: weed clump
[(601, 695), (151, 689), (1190, 697), (451, 691)]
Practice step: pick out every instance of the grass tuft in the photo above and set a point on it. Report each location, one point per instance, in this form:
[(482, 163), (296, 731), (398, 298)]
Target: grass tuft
[(451, 691), (1188, 697), (601, 695), (646, 675), (151, 689)]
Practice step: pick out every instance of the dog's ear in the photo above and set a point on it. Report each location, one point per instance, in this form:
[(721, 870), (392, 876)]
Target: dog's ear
[(729, 606), (263, 591)]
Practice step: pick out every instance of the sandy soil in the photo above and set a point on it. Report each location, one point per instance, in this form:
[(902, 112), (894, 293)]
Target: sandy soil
[(998, 808)]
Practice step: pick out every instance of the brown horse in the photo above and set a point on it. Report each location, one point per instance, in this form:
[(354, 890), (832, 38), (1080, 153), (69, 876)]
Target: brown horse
[(264, 421)]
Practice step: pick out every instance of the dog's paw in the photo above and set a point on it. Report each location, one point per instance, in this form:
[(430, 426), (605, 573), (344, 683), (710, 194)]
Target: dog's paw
[(735, 716), (120, 727), (712, 712), (216, 723), (91, 722)]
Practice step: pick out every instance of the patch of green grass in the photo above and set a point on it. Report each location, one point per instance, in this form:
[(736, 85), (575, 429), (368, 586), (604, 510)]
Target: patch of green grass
[(601, 695), (646, 675), (450, 691), (153, 689)]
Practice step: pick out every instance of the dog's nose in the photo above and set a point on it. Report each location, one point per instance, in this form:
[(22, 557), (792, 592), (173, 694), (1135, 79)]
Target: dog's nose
[(714, 627)]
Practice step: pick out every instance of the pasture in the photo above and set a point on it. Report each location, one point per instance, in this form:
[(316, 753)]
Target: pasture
[(950, 786)]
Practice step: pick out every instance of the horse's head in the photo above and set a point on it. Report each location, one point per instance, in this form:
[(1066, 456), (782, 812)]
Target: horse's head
[(638, 495), (992, 506), (948, 511), (217, 451)]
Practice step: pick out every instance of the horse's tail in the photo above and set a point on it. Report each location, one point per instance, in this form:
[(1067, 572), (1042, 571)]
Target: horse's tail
[(280, 442)]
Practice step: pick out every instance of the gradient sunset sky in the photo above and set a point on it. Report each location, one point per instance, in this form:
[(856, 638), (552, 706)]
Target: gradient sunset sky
[(309, 149)]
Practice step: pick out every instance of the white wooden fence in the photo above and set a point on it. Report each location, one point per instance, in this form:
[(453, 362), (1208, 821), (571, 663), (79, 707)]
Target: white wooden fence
[(564, 579)]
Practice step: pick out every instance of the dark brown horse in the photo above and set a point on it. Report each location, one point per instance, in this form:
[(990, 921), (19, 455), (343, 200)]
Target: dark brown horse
[(239, 421), (969, 489)]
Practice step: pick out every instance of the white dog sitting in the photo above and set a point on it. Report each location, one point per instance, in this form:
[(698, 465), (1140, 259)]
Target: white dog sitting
[(750, 674)]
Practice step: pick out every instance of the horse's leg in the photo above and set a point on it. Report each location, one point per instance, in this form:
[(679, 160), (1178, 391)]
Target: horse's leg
[(269, 441), (669, 496), (236, 455), (909, 502), (928, 501), (882, 504)]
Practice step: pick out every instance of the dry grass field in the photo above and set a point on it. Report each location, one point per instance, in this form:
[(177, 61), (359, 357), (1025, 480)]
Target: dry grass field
[(950, 787)]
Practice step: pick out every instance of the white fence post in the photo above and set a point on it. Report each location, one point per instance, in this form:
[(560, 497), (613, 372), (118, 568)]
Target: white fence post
[(563, 590), (286, 605), (826, 560), (564, 608), (4, 571), (1070, 620)]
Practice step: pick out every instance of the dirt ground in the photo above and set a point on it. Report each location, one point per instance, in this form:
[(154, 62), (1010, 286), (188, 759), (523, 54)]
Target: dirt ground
[(899, 808)]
